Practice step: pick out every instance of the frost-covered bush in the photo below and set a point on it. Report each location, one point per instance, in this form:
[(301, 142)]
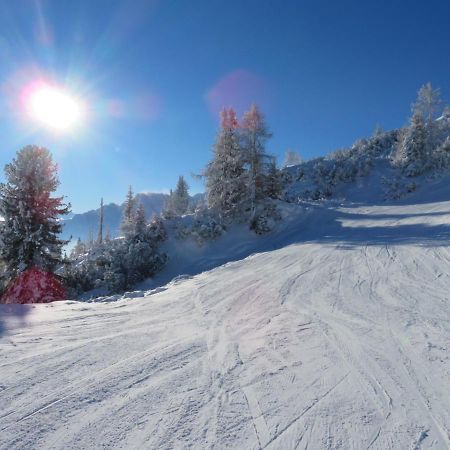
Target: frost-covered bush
[(79, 278), (397, 187), (203, 225), (129, 262), (266, 218), (441, 156), (120, 263), (206, 229), (156, 230), (320, 177)]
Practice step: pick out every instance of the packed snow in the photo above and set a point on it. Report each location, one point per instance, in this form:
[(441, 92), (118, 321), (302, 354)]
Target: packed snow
[(335, 335)]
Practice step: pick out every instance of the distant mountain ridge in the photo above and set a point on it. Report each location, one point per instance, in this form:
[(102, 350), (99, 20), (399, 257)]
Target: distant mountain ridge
[(81, 225)]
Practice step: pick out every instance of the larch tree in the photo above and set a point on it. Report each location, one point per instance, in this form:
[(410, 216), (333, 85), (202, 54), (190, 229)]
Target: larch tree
[(428, 103), (430, 106), (225, 183), (31, 226), (254, 135)]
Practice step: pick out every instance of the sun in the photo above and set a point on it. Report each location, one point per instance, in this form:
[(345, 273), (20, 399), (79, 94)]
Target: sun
[(54, 108)]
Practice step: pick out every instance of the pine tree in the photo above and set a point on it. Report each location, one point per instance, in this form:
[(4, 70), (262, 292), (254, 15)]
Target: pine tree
[(100, 225), (413, 147), (273, 181), (254, 137), (78, 250), (128, 213), (180, 197), (225, 183), (140, 223), (31, 215), (168, 211)]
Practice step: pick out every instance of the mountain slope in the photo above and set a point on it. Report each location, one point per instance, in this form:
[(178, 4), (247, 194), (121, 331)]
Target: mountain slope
[(337, 339)]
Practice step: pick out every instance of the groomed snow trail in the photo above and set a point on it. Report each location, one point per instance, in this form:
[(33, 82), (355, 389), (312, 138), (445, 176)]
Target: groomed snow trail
[(340, 340)]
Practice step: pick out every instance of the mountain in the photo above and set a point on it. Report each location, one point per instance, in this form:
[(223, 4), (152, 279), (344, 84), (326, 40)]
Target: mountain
[(330, 332), (80, 225)]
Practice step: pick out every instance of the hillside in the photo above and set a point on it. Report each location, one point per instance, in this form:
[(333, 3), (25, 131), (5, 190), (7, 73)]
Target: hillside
[(333, 334)]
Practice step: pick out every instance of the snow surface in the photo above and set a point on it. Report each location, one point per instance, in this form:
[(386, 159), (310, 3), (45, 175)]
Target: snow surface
[(337, 335)]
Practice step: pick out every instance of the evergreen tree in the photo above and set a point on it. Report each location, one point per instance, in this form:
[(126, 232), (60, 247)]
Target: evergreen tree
[(413, 147), (128, 213), (273, 181), (31, 215), (100, 225), (254, 137), (225, 183), (180, 197), (140, 223), (78, 250), (168, 211)]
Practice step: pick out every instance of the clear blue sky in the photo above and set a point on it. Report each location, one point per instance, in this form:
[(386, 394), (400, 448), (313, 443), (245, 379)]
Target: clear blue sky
[(155, 73)]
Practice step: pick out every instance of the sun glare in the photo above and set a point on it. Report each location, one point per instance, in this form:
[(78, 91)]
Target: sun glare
[(54, 108)]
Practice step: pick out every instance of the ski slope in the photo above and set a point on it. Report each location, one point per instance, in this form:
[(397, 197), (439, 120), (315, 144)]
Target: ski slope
[(337, 339)]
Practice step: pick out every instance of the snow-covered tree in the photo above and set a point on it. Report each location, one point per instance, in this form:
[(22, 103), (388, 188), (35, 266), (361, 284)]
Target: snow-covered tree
[(168, 212), (273, 180), (441, 156), (135, 257), (140, 223), (31, 213), (428, 103), (291, 158), (254, 136), (413, 152), (128, 213), (180, 197), (78, 250), (225, 182)]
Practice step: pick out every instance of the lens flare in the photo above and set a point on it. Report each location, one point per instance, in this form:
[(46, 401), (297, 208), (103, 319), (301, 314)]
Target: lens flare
[(54, 108)]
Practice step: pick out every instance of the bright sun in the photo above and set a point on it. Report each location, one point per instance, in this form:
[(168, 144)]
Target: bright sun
[(54, 108)]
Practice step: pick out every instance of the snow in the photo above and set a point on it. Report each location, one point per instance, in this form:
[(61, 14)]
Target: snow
[(335, 333)]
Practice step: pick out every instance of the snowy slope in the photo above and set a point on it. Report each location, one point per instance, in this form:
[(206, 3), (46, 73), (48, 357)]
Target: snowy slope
[(338, 337)]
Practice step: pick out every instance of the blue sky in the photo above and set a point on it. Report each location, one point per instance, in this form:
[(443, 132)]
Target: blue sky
[(153, 75)]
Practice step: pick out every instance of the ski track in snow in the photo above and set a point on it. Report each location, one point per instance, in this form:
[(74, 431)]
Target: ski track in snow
[(327, 343)]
